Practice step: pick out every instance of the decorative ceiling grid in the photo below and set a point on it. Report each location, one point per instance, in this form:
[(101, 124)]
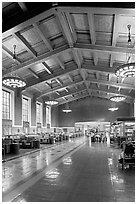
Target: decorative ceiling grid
[(71, 45)]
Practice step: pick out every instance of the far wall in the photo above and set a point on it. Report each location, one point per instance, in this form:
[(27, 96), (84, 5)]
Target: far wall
[(92, 109)]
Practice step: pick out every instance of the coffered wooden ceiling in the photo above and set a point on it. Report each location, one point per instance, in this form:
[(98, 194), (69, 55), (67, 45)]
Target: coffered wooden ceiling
[(77, 48)]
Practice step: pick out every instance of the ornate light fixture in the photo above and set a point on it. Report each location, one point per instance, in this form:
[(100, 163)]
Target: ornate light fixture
[(51, 101), (67, 109), (127, 69), (117, 98), (13, 80), (113, 109)]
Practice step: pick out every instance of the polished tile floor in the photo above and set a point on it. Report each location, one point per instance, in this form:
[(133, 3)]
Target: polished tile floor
[(74, 171)]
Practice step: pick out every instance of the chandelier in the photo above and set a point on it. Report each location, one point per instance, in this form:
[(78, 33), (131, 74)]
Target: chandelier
[(13, 80), (127, 69), (113, 109), (51, 101), (117, 98), (67, 109)]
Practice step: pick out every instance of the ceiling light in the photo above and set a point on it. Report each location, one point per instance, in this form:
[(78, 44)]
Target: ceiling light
[(113, 109), (51, 101), (117, 98), (127, 69), (67, 109), (13, 80)]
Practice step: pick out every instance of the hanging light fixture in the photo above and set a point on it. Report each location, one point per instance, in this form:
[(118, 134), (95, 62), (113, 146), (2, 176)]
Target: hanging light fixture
[(127, 69), (51, 100), (113, 108), (67, 109), (117, 98), (13, 80)]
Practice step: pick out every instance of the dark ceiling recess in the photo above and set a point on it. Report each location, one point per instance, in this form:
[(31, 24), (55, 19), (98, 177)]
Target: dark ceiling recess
[(14, 13)]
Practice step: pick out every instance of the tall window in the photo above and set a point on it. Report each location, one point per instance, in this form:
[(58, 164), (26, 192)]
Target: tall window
[(38, 112), (25, 109), (48, 115), (5, 105)]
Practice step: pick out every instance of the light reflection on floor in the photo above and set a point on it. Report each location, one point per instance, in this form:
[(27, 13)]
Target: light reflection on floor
[(21, 168)]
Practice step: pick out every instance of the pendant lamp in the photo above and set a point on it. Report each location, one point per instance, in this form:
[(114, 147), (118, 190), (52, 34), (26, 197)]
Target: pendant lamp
[(127, 69), (51, 100), (13, 80)]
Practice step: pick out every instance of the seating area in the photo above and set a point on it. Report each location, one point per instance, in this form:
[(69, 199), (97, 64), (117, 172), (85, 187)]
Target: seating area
[(11, 144)]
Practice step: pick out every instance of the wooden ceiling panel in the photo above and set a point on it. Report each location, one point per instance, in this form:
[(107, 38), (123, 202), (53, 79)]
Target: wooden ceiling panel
[(125, 20), (7, 63), (103, 23), (130, 81), (87, 54), (103, 56), (51, 62), (122, 41), (91, 75), (80, 21), (12, 41), (40, 48), (97, 44), (120, 57), (58, 42), (4, 56), (38, 68), (25, 56), (103, 38), (51, 27), (103, 77), (65, 57), (25, 74), (31, 36), (83, 38)]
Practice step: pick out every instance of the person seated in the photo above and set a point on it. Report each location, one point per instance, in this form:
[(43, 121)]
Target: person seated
[(129, 149)]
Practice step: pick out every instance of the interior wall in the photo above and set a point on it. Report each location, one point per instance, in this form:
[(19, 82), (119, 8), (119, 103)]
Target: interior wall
[(54, 117), (92, 109)]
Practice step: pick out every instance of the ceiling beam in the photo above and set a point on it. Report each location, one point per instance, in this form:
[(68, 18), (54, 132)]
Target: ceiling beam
[(70, 93), (59, 81), (58, 51), (70, 78), (113, 84), (47, 68), (99, 68), (96, 10), (25, 44), (34, 73), (57, 93), (115, 30), (111, 59), (92, 28), (66, 90), (49, 77), (103, 48), (23, 6), (40, 59), (78, 59), (74, 98), (43, 36), (111, 92), (59, 62), (71, 26), (7, 52), (61, 21), (60, 88), (95, 58)]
